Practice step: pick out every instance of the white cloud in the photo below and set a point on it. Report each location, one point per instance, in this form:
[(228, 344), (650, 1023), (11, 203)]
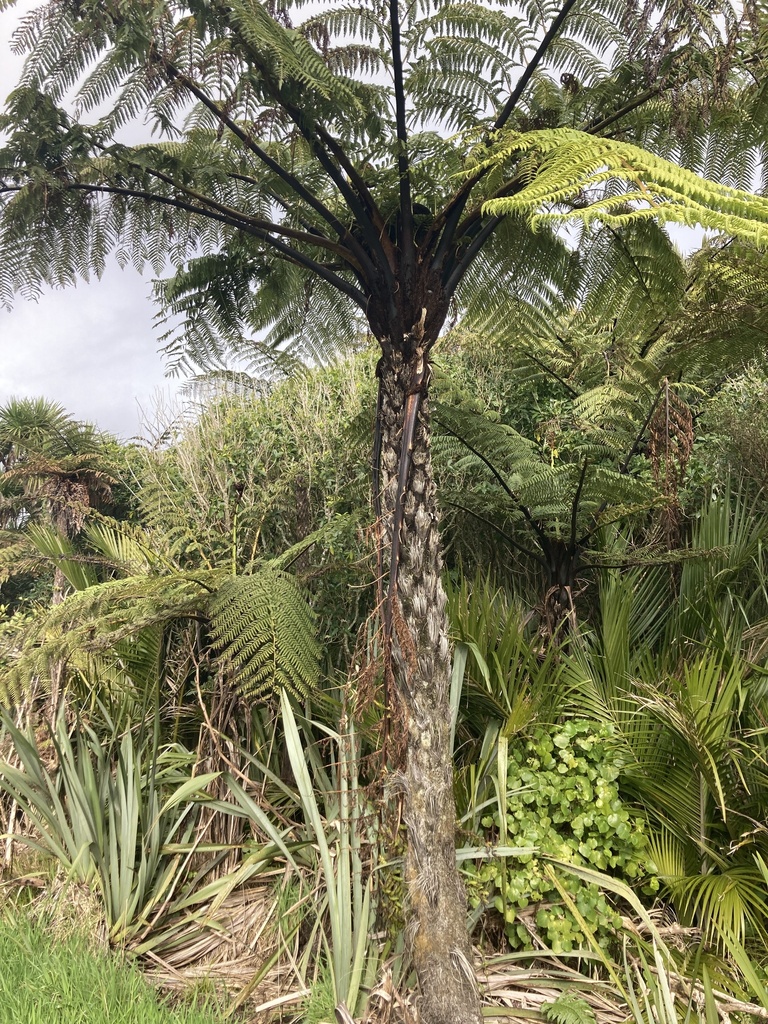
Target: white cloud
[(93, 348)]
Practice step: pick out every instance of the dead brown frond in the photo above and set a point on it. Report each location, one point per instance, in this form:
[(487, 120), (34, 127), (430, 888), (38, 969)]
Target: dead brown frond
[(388, 1005), (228, 947)]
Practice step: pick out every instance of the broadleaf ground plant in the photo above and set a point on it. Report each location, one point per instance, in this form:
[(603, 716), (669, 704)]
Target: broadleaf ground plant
[(563, 802)]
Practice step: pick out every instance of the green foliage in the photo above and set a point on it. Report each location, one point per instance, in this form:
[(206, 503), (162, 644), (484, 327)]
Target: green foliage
[(587, 439), (318, 1007), (736, 429), (673, 670), (563, 801), (265, 626), (274, 187), (558, 167), (507, 681), (241, 483), (54, 470), (302, 183), (51, 464), (569, 1009), (121, 819), (715, 330), (351, 955), (248, 478), (564, 487)]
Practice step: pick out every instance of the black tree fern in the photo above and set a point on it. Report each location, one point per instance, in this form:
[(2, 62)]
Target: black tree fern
[(370, 165)]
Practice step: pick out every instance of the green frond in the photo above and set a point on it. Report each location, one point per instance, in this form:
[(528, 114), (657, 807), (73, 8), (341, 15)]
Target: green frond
[(668, 853), (265, 626), (517, 279), (519, 476), (216, 314), (124, 547), (730, 904), (286, 52), (563, 171), (507, 450), (61, 553), (94, 621), (569, 1009)]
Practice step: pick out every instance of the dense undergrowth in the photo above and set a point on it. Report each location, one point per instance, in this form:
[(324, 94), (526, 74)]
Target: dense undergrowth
[(192, 726)]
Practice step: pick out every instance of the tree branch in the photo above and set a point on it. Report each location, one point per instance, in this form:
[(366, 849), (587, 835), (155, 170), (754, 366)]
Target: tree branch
[(576, 500), (309, 238), (354, 176), (596, 126), (312, 133), (599, 125), (635, 444), (328, 216), (468, 224)]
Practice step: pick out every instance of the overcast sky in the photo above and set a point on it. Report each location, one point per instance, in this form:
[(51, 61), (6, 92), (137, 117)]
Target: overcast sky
[(93, 348)]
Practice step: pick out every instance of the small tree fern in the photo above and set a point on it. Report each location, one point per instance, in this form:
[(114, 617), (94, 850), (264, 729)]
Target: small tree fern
[(549, 501), (111, 631)]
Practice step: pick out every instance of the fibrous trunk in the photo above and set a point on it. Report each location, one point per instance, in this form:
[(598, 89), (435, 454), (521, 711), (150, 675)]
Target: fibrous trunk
[(421, 659), (559, 610)]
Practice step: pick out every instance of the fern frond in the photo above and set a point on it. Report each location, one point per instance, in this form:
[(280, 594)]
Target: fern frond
[(562, 166), (267, 629), (569, 1009)]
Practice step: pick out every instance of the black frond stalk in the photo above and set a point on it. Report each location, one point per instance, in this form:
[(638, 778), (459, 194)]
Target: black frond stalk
[(576, 503), (458, 271), (403, 166), (528, 552), (533, 64), (304, 193), (526, 513)]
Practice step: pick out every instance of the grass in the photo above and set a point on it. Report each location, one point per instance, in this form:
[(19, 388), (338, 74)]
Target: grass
[(45, 979)]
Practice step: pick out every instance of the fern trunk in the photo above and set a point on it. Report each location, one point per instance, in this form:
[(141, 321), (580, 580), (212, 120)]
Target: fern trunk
[(440, 945), (562, 560)]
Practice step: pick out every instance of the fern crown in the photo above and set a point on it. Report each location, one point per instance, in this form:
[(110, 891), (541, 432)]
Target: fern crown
[(314, 170)]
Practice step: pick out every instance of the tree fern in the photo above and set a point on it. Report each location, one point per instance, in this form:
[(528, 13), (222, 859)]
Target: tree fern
[(117, 625), (542, 487), (303, 163)]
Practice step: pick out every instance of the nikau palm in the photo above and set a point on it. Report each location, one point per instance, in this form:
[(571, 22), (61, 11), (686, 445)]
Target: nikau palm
[(305, 188)]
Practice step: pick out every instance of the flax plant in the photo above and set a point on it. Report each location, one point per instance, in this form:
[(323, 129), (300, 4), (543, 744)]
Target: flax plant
[(337, 832), (119, 816)]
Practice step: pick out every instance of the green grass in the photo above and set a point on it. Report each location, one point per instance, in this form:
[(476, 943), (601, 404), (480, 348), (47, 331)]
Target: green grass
[(45, 980)]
